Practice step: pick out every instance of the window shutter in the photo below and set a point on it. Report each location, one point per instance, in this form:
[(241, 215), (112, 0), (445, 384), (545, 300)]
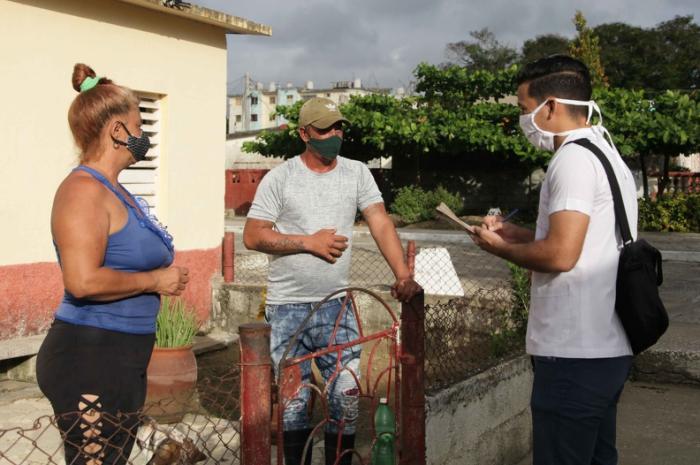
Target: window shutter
[(141, 179)]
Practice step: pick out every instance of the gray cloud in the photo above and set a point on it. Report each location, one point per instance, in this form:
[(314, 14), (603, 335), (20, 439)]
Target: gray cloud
[(381, 41)]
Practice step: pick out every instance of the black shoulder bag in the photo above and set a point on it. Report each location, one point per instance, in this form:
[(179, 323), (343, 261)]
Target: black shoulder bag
[(639, 274)]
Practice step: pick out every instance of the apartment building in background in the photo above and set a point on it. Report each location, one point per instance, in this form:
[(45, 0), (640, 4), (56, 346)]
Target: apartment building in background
[(254, 109)]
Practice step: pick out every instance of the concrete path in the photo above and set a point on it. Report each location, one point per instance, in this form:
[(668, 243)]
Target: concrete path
[(658, 424), (659, 413)]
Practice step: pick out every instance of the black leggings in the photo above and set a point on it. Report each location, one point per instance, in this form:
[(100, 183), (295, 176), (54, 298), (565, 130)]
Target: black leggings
[(96, 382)]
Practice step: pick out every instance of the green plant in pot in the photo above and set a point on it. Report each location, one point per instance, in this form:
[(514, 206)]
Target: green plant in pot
[(172, 371), (176, 324)]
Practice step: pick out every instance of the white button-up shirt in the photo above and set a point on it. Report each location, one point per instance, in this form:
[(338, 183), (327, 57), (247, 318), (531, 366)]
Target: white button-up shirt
[(572, 314)]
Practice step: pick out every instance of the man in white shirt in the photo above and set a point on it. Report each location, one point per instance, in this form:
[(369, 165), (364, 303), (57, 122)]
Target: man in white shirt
[(580, 351)]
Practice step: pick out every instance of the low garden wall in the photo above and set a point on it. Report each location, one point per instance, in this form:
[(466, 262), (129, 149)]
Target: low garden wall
[(483, 419)]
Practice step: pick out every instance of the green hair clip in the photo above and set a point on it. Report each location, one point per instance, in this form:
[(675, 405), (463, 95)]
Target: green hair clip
[(88, 83)]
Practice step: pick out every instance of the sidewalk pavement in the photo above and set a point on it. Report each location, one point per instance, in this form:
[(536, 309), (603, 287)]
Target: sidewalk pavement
[(657, 424), (659, 413)]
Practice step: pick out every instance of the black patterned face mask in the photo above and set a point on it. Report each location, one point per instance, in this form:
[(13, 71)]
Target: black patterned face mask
[(138, 146)]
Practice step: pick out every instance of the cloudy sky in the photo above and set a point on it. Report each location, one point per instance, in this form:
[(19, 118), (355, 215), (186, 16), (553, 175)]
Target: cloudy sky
[(381, 41)]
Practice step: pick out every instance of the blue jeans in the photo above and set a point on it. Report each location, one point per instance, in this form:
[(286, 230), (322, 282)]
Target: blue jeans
[(343, 392), (574, 409)]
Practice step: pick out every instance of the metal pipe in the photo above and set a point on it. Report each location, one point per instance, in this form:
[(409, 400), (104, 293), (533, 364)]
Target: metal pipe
[(412, 411), (228, 254), (411, 257), (256, 393)]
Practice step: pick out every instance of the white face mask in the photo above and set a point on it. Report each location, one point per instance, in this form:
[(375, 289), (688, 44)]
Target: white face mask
[(545, 139)]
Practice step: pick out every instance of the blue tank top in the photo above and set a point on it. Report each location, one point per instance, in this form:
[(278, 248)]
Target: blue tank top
[(141, 245)]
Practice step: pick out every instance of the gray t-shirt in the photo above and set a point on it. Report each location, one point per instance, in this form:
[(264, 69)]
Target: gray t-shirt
[(301, 201)]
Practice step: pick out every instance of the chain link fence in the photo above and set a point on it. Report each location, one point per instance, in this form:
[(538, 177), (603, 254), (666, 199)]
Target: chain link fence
[(208, 433), (444, 269), (474, 317), (474, 314)]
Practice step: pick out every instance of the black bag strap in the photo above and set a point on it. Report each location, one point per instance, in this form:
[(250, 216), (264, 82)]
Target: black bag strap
[(620, 214)]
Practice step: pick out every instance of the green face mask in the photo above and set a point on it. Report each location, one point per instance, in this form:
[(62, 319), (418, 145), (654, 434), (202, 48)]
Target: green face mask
[(327, 148)]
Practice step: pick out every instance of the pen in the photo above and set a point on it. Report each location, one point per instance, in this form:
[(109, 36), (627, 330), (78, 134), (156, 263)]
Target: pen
[(510, 215)]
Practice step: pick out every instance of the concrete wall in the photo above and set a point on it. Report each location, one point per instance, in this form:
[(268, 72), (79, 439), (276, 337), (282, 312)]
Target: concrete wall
[(235, 304), (484, 420), (149, 51), (236, 158)]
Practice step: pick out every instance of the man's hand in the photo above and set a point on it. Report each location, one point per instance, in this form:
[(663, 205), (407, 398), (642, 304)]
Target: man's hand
[(488, 240), (506, 230), (328, 245), (509, 232), (404, 289)]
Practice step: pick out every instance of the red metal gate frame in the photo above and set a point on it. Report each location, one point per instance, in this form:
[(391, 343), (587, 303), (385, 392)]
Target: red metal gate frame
[(289, 373), (408, 354)]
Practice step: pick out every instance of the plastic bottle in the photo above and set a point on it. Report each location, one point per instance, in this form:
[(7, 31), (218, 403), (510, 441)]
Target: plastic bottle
[(385, 429), (384, 421)]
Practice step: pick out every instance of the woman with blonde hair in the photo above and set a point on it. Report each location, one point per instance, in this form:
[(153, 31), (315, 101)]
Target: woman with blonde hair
[(116, 262)]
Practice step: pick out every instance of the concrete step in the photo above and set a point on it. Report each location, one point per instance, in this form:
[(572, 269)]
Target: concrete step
[(675, 359), (214, 340), (12, 390), (20, 346), (20, 365)]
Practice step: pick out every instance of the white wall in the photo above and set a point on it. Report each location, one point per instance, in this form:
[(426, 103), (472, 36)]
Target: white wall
[(236, 158), (136, 47)]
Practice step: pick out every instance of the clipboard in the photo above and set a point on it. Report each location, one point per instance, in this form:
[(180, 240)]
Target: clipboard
[(448, 214)]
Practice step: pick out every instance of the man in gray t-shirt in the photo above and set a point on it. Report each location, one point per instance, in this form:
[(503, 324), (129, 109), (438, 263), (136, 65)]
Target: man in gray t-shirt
[(302, 215)]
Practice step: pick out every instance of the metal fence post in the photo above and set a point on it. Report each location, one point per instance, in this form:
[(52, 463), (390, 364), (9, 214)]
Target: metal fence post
[(256, 398), (411, 257), (228, 257), (412, 416)]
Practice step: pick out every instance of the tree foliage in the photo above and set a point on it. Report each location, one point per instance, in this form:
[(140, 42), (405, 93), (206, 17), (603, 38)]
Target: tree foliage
[(680, 43), (543, 46), (645, 124), (484, 52), (625, 51), (455, 86), (586, 47), (660, 58), (456, 115), (460, 115)]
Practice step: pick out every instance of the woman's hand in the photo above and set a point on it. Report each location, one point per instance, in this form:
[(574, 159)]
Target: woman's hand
[(171, 281)]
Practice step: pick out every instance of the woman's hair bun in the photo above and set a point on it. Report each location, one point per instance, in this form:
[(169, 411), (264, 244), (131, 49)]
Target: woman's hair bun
[(80, 72)]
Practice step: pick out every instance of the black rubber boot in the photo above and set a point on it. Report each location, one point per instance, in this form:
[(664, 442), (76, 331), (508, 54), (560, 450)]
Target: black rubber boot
[(347, 441), (294, 443)]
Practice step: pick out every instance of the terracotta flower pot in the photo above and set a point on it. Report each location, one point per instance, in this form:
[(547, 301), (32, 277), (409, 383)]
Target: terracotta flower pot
[(172, 376)]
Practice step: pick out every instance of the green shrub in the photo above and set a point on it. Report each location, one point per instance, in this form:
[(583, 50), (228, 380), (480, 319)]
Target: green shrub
[(514, 326), (452, 200), (693, 212), (414, 204), (176, 324), (410, 203), (678, 213)]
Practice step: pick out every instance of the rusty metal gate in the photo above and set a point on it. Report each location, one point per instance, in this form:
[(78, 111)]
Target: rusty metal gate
[(398, 376)]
